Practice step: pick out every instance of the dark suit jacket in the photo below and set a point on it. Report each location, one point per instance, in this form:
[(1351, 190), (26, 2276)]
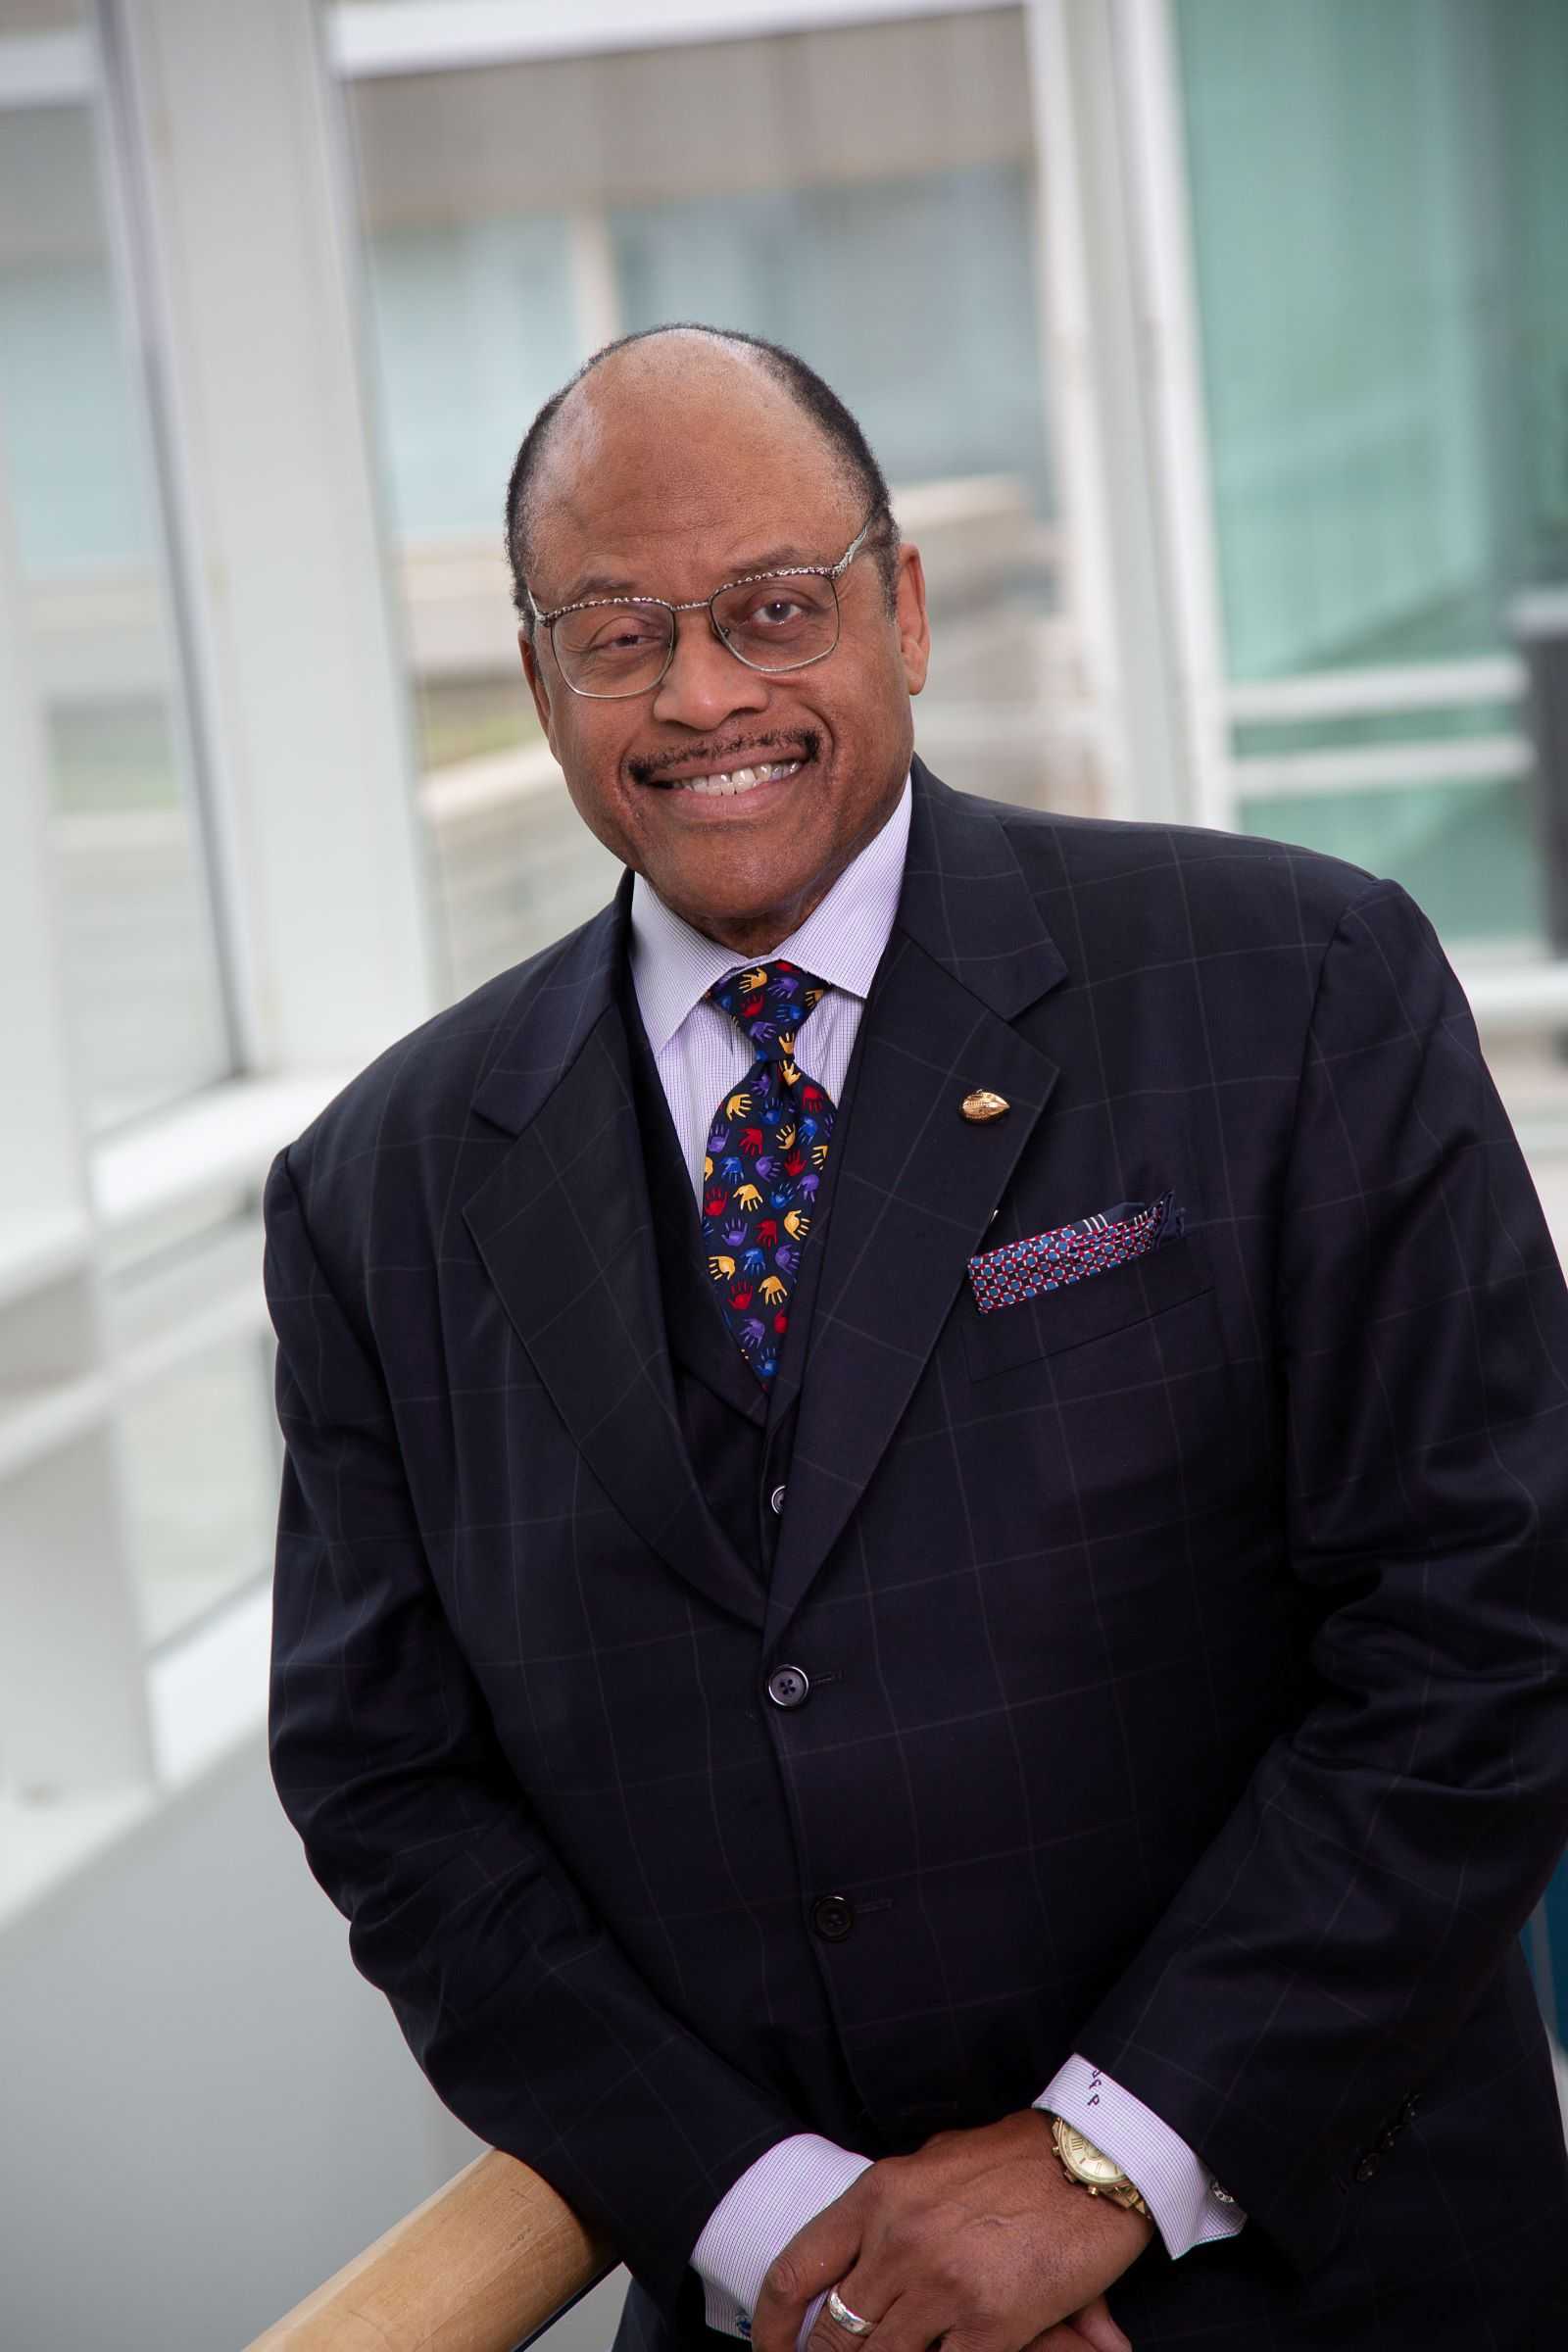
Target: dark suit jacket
[(1188, 1647)]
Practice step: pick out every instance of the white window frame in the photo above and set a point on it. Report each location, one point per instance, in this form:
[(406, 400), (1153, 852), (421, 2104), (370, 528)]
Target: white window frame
[(322, 752), (217, 136)]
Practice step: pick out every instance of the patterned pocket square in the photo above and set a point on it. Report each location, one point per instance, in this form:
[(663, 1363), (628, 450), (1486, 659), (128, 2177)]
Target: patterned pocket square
[(1049, 1261)]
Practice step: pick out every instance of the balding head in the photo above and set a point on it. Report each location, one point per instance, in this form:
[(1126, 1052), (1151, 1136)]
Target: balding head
[(657, 398)]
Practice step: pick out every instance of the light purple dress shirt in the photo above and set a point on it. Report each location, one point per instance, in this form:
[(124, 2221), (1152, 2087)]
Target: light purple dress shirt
[(701, 1054)]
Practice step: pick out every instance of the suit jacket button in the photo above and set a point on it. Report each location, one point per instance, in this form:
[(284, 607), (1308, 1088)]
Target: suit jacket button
[(1366, 2168), (776, 1502), (832, 1916), (788, 1686)]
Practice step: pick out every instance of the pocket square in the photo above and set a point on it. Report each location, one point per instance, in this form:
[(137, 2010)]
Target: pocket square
[(1093, 1244)]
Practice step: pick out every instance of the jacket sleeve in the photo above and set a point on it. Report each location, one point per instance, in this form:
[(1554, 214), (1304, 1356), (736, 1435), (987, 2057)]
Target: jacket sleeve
[(525, 2018), (1326, 1949)]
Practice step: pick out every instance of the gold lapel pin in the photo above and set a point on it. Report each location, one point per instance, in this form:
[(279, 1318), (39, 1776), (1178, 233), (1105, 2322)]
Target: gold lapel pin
[(983, 1105)]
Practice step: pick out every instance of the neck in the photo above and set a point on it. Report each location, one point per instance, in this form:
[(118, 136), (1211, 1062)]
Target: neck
[(757, 936), (755, 941), (753, 936)]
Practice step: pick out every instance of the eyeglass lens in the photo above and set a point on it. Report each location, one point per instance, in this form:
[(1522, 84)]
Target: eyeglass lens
[(771, 624)]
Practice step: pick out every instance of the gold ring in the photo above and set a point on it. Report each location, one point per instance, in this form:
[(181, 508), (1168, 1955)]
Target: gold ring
[(849, 2320)]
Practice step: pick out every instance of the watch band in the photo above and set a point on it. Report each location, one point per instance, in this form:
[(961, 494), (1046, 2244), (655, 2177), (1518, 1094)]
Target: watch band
[(1090, 2167)]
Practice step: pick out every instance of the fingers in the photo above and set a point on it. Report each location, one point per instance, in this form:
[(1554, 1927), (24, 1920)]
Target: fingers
[(833, 2334), (1095, 2326), (1070, 2336), (904, 2326), (823, 2252), (915, 2252), (1092, 2325), (909, 2324)]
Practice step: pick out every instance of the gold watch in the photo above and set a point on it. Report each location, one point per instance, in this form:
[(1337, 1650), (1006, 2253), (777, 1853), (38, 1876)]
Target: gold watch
[(1091, 2168)]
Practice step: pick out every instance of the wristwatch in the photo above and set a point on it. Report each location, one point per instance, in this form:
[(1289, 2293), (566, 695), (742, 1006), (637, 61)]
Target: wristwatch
[(1089, 2167)]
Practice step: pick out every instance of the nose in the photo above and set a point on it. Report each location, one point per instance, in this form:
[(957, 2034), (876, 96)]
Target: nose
[(705, 684)]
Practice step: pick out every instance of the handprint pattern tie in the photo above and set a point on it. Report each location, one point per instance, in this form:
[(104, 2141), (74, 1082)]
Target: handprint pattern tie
[(767, 1146)]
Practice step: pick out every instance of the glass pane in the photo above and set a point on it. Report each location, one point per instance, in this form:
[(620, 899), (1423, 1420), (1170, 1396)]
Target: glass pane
[(202, 1476), (472, 326), (201, 1452), (1464, 851), (140, 953), (516, 217), (1377, 195), (795, 264), (1364, 306)]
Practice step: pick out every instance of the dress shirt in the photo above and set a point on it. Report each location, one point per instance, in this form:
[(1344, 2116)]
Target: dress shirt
[(701, 1054)]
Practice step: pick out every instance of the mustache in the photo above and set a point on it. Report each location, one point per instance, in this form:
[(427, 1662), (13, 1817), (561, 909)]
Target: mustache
[(720, 757)]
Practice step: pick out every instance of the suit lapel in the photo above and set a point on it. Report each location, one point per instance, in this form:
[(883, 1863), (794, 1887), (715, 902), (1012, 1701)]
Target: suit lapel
[(918, 1183), (563, 1227)]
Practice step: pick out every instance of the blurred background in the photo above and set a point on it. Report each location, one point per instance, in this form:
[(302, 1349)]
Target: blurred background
[(1217, 351)]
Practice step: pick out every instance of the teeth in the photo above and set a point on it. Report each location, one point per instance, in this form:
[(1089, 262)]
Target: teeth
[(740, 779)]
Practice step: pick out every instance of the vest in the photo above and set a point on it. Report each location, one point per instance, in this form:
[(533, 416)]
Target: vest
[(738, 1435)]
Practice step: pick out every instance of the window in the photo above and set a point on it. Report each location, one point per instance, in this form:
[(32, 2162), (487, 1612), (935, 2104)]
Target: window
[(1384, 321), (145, 995), (863, 194)]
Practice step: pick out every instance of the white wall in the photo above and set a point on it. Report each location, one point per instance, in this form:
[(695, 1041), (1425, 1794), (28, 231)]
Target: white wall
[(206, 2111)]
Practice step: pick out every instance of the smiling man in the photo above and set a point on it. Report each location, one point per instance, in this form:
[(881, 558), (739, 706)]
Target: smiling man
[(922, 1614), (739, 752)]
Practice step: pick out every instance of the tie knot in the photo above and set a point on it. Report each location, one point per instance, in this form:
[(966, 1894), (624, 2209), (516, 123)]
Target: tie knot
[(769, 1001)]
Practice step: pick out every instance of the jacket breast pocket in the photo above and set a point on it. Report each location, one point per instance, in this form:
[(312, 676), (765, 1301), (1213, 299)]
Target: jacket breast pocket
[(1091, 1308)]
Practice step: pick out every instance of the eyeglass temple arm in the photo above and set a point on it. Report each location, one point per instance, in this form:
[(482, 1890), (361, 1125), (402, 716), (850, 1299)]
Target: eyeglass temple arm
[(853, 548)]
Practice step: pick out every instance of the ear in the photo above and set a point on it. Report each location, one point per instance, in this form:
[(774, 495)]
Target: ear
[(910, 618), (538, 685)]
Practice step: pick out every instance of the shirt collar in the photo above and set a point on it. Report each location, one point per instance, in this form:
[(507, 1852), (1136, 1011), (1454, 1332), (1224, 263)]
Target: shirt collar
[(841, 941)]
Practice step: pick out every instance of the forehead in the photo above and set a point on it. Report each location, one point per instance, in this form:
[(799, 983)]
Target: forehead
[(670, 478)]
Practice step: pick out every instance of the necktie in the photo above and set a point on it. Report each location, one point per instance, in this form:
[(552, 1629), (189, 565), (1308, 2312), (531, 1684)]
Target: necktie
[(766, 1148)]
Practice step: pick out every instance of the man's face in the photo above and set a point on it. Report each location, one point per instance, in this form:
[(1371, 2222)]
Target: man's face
[(669, 477)]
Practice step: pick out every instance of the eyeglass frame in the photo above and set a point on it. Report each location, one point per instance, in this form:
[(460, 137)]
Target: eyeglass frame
[(831, 573)]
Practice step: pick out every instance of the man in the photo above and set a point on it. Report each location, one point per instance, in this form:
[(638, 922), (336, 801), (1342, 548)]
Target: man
[(926, 1493)]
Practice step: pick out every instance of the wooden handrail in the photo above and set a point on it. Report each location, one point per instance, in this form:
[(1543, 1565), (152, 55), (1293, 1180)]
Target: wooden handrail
[(489, 2259)]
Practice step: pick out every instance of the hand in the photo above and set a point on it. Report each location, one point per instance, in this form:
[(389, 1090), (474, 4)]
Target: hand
[(979, 2237)]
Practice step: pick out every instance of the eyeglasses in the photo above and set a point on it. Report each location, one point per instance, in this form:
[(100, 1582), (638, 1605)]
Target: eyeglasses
[(615, 646)]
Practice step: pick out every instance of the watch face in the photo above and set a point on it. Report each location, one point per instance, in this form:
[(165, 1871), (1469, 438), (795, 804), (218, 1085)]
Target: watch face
[(1088, 2160)]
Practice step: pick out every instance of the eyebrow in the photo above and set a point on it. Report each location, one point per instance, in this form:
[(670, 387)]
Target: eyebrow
[(773, 558)]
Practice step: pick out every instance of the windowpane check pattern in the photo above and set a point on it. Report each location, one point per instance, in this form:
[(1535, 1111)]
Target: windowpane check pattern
[(1206, 1607)]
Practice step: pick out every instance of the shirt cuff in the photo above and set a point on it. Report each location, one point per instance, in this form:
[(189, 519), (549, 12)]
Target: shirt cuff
[(785, 2188), (1189, 2206)]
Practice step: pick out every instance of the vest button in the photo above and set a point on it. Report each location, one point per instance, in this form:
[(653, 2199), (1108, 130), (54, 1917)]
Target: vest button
[(789, 1686), (832, 1916), (776, 1502)]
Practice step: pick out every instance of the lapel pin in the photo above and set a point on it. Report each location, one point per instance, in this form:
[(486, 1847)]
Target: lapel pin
[(983, 1105)]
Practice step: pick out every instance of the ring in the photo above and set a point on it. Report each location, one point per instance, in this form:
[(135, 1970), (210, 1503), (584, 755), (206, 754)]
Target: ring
[(849, 2320)]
